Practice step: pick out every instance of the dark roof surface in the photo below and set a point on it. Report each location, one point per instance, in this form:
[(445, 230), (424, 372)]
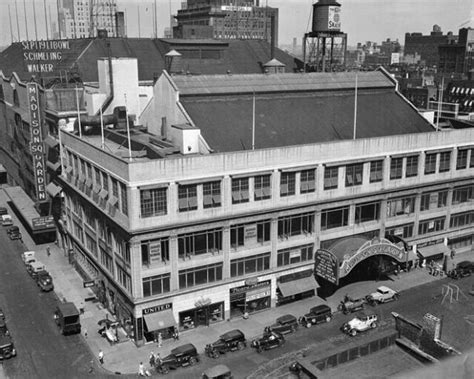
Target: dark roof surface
[(347, 246), (237, 56), (296, 118)]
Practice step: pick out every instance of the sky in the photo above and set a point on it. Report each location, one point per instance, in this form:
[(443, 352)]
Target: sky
[(362, 20)]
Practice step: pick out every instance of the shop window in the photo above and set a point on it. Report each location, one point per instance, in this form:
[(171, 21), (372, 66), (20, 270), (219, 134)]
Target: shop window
[(430, 164), (211, 194), (294, 255), (376, 171), (155, 251), (463, 194), (461, 160), (240, 190), (263, 231), (262, 187), (412, 166), (287, 183), (237, 236), (249, 265), (187, 197), (334, 218), (156, 285), (153, 202), (200, 275), (295, 225), (433, 200), (403, 231), (307, 181), (354, 174), (444, 161), (367, 212), (209, 241), (401, 206), (396, 168), (331, 176), (430, 226), (461, 219)]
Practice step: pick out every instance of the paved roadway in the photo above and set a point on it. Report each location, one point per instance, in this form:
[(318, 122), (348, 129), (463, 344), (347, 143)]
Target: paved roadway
[(42, 351)]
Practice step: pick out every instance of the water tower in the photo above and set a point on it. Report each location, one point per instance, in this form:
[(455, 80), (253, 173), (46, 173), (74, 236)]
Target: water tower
[(324, 48)]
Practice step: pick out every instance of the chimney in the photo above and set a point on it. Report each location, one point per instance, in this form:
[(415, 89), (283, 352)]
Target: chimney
[(272, 26)]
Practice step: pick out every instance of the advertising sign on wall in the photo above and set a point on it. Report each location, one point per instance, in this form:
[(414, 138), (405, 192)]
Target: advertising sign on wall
[(334, 18), (43, 56), (326, 266), (36, 143)]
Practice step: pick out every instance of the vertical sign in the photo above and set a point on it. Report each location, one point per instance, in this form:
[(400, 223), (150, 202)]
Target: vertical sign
[(36, 143)]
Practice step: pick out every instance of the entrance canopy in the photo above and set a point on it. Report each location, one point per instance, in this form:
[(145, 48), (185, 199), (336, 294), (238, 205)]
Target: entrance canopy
[(298, 286), (433, 251), (159, 320)]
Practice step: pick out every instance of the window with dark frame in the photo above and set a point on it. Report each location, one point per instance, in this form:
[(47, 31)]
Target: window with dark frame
[(295, 225), (404, 231), (461, 160), (430, 226), (294, 255), (307, 181), (240, 190), (287, 183), (396, 168), (412, 166), (367, 212), (400, 206), (249, 265), (156, 285), (463, 194), (237, 236), (354, 174), (331, 176), (200, 275), (433, 200), (444, 161), (262, 187), (459, 220), (187, 197), (334, 218), (376, 171), (211, 194), (203, 242), (471, 161), (153, 202), (430, 164)]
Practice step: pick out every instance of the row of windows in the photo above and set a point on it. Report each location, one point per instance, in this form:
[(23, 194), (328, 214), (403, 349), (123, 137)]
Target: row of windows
[(153, 202)]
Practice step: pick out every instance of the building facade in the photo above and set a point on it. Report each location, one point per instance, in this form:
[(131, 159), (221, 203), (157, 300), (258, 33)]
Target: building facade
[(189, 227), (226, 19), (458, 57)]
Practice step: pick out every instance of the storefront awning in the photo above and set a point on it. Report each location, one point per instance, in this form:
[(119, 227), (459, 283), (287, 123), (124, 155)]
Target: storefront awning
[(432, 250), (298, 286), (159, 320), (53, 190)]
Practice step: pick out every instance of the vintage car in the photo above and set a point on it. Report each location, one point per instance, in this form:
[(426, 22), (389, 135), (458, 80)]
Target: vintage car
[(44, 281), (230, 341), (360, 323), (13, 229), (316, 315), (349, 304), (462, 269), (382, 295), (15, 236), (181, 356), (284, 324), (7, 349), (268, 341)]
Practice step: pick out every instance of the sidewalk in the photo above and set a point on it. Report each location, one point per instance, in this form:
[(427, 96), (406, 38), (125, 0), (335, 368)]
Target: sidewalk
[(125, 356)]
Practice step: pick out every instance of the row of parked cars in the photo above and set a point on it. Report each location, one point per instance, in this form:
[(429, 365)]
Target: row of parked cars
[(7, 348), (37, 271)]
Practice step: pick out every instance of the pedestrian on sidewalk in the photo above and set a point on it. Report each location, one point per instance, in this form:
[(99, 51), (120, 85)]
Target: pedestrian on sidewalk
[(176, 334), (141, 369), (152, 359), (160, 339), (85, 333), (48, 251), (101, 357), (453, 253)]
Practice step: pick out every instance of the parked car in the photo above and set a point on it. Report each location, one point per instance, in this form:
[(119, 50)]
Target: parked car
[(230, 341), (217, 372), (44, 281), (13, 229), (15, 236), (34, 268), (348, 304), (382, 295), (181, 356), (3, 327), (27, 257), (67, 318), (316, 315), (7, 220), (284, 324), (3, 211), (462, 269), (268, 341), (360, 323), (7, 349)]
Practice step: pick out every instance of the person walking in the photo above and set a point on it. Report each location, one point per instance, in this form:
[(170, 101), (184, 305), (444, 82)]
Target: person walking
[(141, 369), (101, 357), (152, 359), (48, 251), (160, 339)]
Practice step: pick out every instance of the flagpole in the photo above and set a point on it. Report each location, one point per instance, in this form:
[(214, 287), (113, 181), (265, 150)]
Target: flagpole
[(355, 108), (253, 123), (78, 113), (102, 127), (128, 129)]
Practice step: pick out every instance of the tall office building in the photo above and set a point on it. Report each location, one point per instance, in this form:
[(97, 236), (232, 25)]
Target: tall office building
[(226, 19), (83, 18)]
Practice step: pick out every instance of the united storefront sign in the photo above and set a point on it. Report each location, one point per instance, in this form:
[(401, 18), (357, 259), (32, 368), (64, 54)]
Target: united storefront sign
[(36, 141), (157, 308)]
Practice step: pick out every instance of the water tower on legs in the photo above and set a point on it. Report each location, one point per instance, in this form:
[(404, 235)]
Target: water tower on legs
[(324, 48)]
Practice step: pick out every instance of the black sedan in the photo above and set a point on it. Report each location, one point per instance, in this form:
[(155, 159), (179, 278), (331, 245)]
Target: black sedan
[(268, 341)]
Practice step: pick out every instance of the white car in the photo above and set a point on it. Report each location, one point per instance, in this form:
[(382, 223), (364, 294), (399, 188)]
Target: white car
[(382, 295), (360, 323), (28, 257)]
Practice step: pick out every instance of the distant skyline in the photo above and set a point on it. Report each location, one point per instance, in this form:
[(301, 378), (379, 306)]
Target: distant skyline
[(362, 20)]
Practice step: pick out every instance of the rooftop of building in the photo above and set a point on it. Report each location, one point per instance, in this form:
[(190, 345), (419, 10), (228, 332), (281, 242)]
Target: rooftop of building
[(199, 57)]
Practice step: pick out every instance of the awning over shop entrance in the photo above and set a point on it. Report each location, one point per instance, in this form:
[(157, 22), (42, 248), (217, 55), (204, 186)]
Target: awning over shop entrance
[(432, 250), (159, 320), (298, 286)]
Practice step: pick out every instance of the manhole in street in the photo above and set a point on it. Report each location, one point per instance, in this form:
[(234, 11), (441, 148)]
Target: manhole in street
[(470, 319)]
